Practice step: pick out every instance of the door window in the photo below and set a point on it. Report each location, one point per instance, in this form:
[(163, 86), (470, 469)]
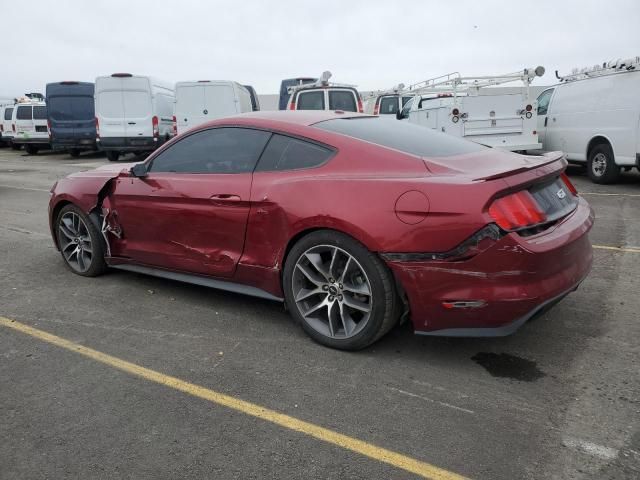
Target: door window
[(287, 153), (24, 113), (389, 105), (543, 101), (311, 100), (40, 112), (342, 100), (218, 150), (7, 113)]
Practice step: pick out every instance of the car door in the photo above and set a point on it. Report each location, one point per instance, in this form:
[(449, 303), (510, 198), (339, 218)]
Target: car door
[(189, 213), (543, 107)]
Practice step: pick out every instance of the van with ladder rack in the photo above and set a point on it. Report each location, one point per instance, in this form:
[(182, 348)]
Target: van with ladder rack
[(29, 119), (470, 108), (322, 95), (134, 113), (593, 115), (386, 102)]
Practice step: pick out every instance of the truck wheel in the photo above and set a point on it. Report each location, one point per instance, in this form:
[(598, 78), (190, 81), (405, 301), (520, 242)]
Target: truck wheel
[(74, 152), (31, 149), (113, 156), (601, 166), (15, 146)]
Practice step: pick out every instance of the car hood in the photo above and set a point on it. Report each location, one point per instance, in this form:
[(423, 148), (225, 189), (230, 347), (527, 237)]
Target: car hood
[(106, 171), (489, 164)]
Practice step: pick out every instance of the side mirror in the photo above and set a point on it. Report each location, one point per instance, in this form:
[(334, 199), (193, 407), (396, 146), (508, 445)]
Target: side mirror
[(400, 115), (139, 170)]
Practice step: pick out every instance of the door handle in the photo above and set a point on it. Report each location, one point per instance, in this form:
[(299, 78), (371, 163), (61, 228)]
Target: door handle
[(546, 119), (132, 123), (225, 197)]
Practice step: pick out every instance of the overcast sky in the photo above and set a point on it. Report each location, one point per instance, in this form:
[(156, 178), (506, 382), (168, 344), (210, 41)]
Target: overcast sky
[(374, 44)]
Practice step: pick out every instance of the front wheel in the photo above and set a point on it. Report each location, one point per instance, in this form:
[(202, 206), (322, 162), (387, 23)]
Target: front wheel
[(15, 146), (340, 292), (601, 166), (113, 155), (80, 242)]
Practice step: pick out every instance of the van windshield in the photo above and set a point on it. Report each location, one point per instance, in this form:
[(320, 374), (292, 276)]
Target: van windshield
[(71, 108)]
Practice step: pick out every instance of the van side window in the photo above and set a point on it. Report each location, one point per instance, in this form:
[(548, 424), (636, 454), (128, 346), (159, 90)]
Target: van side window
[(311, 100), (7, 113), (342, 100), (24, 113), (287, 153), (543, 101), (218, 150)]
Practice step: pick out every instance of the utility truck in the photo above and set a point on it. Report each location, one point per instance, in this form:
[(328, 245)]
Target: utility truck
[(472, 108)]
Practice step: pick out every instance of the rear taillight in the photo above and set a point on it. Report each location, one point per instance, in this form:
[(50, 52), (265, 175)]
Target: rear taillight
[(174, 124), (516, 211), (97, 127), (13, 127), (156, 128), (1, 128), (572, 188), (376, 107), (360, 110)]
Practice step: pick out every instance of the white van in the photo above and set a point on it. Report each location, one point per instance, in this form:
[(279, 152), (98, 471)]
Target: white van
[(30, 120), (6, 129), (593, 116), (133, 113), (204, 100), (323, 95)]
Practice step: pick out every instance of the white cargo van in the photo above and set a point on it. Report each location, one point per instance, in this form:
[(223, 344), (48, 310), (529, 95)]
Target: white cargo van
[(204, 100), (6, 130), (30, 120), (593, 116), (133, 113), (322, 95)]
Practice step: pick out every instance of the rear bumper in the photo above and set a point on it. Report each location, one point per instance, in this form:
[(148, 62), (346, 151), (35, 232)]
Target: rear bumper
[(30, 140), (128, 144), (509, 283), (74, 143)]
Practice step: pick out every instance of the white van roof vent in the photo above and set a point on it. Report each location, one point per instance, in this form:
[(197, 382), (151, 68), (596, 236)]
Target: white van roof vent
[(607, 68)]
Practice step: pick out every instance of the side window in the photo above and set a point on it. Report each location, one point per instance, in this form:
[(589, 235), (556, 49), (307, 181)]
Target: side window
[(24, 113), (218, 150), (543, 101), (287, 153), (311, 100), (342, 100), (7, 113)]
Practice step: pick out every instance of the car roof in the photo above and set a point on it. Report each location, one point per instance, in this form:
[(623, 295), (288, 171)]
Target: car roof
[(293, 117)]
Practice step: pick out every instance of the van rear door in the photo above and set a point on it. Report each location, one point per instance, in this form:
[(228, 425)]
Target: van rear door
[(189, 106), (24, 121), (138, 113), (110, 107), (220, 101)]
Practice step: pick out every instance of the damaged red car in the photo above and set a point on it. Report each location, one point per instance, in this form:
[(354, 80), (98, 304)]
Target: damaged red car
[(355, 222)]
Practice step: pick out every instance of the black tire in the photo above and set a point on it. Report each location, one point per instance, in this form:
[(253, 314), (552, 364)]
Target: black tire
[(15, 146), (112, 155), (31, 149), (601, 166), (384, 302), (74, 153), (97, 264)]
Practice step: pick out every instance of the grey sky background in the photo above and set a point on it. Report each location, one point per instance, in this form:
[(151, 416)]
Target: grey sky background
[(374, 44)]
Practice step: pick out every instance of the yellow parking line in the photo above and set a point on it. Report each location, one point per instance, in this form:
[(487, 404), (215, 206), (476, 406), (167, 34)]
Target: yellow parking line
[(617, 249), (380, 454)]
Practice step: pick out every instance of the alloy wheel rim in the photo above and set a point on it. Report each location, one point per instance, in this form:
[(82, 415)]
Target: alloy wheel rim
[(75, 242), (599, 164), (332, 292)]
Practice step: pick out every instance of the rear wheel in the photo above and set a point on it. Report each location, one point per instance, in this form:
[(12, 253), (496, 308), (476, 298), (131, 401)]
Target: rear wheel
[(74, 152), (80, 242), (113, 155), (31, 149), (601, 166), (15, 146), (340, 292)]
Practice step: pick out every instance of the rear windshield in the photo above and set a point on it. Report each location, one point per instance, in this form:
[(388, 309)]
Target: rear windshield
[(7, 113), (389, 105), (402, 136), (342, 100), (24, 113), (311, 100), (40, 113), (70, 108)]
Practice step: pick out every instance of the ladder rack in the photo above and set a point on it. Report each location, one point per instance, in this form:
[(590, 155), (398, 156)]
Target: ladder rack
[(323, 81), (607, 68), (398, 89)]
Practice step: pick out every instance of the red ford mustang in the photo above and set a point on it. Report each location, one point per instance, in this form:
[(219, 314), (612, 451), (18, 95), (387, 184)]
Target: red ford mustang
[(354, 221)]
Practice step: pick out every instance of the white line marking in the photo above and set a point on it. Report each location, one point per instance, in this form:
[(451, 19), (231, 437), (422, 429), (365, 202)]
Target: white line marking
[(590, 448), (611, 194), (431, 400)]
